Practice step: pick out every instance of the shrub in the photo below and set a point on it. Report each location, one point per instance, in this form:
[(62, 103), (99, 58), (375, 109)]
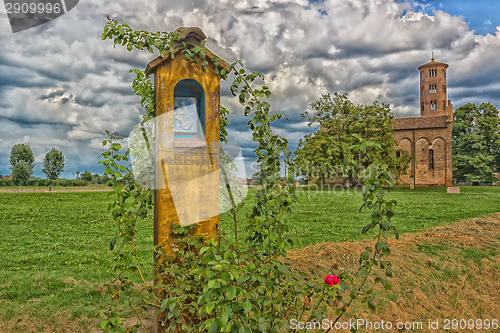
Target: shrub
[(31, 182), (44, 182), (6, 182)]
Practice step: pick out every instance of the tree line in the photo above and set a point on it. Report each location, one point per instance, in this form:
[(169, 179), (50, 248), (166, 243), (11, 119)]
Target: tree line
[(341, 124), (22, 162), (476, 143)]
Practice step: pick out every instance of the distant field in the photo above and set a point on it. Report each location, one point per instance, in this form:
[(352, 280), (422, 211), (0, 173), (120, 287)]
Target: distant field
[(91, 187), (54, 247)]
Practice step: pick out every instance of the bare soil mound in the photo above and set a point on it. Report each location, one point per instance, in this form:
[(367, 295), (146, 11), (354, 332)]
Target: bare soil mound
[(448, 272)]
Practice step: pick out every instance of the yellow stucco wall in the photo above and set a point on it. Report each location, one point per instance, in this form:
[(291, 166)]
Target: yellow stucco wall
[(185, 168)]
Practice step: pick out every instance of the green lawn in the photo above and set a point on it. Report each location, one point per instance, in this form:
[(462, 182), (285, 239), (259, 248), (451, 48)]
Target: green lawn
[(49, 239), (54, 247)]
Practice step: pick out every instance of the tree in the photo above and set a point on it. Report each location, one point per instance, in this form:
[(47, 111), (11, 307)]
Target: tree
[(21, 172), (22, 162), (53, 164), (87, 176), (476, 143), (325, 153)]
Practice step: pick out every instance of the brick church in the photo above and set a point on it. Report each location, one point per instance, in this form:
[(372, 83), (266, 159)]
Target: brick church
[(428, 137)]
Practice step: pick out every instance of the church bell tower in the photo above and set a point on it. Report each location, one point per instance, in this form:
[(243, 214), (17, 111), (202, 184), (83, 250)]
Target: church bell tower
[(433, 90)]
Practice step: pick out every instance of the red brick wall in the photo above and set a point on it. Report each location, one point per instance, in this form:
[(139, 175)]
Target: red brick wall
[(418, 141), (430, 133), (433, 89)]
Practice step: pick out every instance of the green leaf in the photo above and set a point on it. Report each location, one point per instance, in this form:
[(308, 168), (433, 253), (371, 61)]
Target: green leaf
[(231, 292), (218, 267), (388, 271), (210, 306), (213, 328), (371, 305), (388, 285), (396, 233), (213, 284), (364, 273), (196, 49), (247, 306), (204, 249)]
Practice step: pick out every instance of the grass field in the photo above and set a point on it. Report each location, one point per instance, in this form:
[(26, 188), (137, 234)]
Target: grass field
[(327, 215), (51, 240), (54, 247)]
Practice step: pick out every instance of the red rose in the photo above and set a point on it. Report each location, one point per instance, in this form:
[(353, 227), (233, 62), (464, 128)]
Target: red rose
[(331, 280)]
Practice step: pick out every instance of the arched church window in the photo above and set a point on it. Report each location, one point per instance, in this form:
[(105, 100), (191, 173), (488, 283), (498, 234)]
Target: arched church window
[(431, 159)]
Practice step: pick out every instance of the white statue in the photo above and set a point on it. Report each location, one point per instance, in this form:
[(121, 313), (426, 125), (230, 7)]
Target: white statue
[(185, 115)]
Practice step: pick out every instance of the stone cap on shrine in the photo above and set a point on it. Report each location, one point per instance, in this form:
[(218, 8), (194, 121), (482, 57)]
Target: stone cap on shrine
[(194, 36)]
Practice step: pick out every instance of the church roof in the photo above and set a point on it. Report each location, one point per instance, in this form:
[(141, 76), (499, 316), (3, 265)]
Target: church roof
[(420, 122), (433, 63)]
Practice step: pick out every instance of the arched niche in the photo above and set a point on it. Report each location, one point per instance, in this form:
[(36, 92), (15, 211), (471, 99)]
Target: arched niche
[(421, 161), (189, 110), (439, 150), (404, 144)]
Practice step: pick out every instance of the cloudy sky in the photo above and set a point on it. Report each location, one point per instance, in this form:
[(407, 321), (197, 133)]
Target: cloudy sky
[(62, 86)]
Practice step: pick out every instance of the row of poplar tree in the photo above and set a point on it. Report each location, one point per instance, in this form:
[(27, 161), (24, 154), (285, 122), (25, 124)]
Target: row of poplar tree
[(22, 162)]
